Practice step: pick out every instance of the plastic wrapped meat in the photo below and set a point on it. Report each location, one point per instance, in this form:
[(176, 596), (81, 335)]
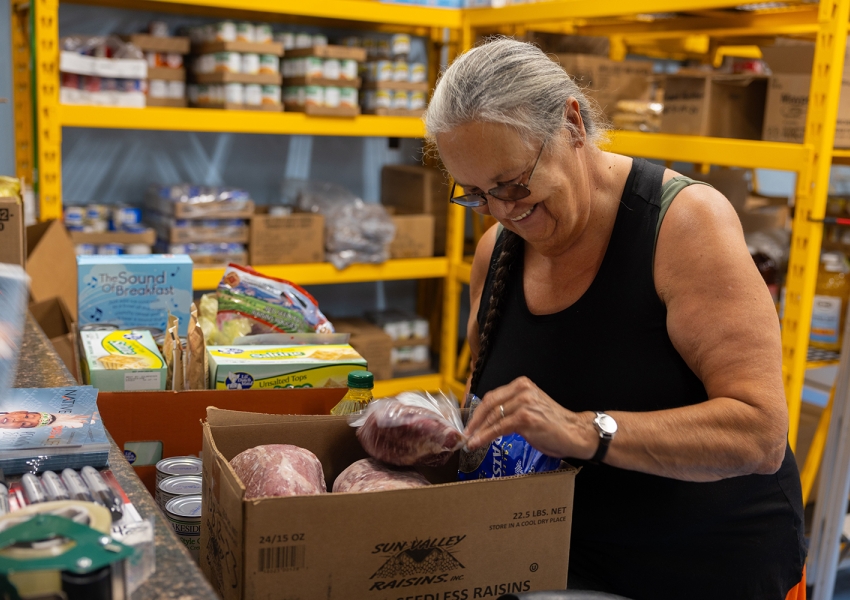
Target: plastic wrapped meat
[(279, 470), (411, 429), (369, 475)]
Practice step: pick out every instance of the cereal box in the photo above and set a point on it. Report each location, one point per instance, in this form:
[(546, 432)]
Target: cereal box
[(134, 291), (118, 361), (267, 367)]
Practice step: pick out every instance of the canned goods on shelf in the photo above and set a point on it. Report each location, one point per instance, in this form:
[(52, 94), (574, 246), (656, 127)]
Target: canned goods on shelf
[(158, 28), (331, 68), (332, 97), (245, 32), (320, 40), (401, 72), (303, 40), (271, 94), (178, 465), (348, 69), (418, 72), (287, 38), (253, 94), (227, 62), (262, 33), (110, 249), (348, 97), (400, 44), (400, 100), (184, 516), (224, 31), (179, 485), (314, 67), (123, 215), (250, 63), (382, 70), (176, 89), (234, 92), (314, 95), (158, 88), (137, 249), (269, 64), (85, 249), (74, 215), (416, 101)]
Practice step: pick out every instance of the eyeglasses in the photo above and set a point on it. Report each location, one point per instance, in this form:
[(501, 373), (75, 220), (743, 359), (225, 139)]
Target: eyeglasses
[(509, 192)]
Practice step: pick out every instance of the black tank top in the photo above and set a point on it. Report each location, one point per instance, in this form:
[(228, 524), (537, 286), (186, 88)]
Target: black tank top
[(644, 536)]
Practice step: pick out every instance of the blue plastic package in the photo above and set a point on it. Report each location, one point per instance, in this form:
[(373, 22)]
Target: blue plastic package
[(14, 284), (505, 456)]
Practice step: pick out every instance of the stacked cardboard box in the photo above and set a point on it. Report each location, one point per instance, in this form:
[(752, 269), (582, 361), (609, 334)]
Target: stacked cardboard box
[(287, 239), (371, 342), (416, 190)]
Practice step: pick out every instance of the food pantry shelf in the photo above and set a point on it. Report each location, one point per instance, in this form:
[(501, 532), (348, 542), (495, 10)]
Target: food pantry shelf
[(363, 11), (237, 121), (326, 273)]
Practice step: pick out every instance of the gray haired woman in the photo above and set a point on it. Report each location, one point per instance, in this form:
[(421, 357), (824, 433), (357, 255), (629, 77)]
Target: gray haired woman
[(623, 331)]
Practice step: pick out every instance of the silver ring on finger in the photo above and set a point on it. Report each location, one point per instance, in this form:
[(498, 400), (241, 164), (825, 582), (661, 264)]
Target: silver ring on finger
[(502, 410)]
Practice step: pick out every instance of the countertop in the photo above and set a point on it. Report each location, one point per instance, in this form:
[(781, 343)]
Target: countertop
[(177, 576)]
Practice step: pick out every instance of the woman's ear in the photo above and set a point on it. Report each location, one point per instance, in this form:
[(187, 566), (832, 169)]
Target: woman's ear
[(572, 114)]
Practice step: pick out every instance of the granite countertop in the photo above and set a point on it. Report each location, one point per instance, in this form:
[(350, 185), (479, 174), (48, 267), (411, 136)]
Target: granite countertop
[(177, 577)]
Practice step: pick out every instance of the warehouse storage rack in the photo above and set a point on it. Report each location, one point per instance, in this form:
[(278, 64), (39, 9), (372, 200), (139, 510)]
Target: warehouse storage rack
[(658, 28)]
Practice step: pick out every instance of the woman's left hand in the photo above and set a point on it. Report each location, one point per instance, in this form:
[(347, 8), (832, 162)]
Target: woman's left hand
[(522, 407)]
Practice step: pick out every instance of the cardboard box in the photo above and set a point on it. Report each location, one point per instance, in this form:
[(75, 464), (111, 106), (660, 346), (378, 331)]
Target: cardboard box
[(122, 361), (788, 95), (51, 264), (762, 213), (12, 238), (57, 322), (134, 290), (147, 238), (414, 236), (608, 81), (710, 104), (138, 416), (414, 190), (268, 367), (371, 342), (439, 541), (732, 183), (292, 239)]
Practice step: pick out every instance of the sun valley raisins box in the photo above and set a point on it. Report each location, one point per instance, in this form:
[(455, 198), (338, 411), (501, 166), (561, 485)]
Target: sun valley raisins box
[(450, 541)]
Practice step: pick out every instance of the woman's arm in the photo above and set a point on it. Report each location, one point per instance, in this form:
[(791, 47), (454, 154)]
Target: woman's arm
[(721, 319)]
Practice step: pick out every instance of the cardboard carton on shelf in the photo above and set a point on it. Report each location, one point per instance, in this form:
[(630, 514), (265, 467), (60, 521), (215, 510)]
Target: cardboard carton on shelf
[(13, 244), (365, 545), (371, 342), (715, 105), (51, 264), (174, 418), (608, 81), (415, 190), (414, 236), (788, 94), (291, 239), (57, 322), (147, 237)]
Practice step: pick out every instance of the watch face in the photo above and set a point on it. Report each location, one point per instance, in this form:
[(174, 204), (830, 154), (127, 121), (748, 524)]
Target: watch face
[(606, 423)]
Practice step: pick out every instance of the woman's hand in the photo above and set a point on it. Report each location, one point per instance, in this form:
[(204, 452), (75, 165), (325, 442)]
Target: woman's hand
[(522, 407)]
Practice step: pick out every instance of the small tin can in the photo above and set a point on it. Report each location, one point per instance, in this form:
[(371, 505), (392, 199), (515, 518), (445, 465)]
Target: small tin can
[(158, 88), (178, 465), (417, 72), (400, 44), (158, 28), (416, 101), (383, 99), (234, 93), (348, 69), (271, 94), (123, 215), (227, 62), (332, 97), (174, 60), (253, 94), (383, 71), (287, 38), (244, 32), (314, 67), (85, 249), (174, 487), (184, 516), (400, 100), (331, 68), (97, 212), (320, 40), (74, 216), (295, 95), (348, 97), (401, 72), (269, 64), (315, 95), (225, 31), (176, 89), (110, 249), (250, 63), (263, 33), (303, 40)]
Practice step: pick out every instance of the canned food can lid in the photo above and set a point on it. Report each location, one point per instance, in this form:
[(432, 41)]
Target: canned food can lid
[(184, 507), (184, 485), (180, 465)]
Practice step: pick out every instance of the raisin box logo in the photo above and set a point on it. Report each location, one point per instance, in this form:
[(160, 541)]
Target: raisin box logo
[(417, 562)]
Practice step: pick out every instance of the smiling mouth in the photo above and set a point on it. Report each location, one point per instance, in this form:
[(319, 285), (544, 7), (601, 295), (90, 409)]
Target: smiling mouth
[(524, 215)]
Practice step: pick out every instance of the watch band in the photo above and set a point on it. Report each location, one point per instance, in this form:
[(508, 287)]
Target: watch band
[(601, 450)]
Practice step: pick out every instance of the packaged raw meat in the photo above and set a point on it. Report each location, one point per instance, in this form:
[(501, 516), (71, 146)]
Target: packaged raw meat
[(279, 470), (414, 428), (505, 456), (369, 475)]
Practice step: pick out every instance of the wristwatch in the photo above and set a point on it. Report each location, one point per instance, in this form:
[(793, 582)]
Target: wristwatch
[(607, 428)]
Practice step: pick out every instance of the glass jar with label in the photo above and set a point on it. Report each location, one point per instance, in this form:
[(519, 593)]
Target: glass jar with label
[(830, 304)]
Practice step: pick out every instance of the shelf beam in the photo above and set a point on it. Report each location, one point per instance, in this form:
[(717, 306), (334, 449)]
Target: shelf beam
[(237, 121), (713, 151), (390, 387), (360, 11), (325, 273)]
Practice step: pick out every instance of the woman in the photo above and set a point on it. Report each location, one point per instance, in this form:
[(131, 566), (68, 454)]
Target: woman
[(628, 333)]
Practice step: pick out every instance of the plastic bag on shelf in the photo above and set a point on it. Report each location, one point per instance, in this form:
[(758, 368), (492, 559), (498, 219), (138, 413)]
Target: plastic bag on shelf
[(270, 305), (505, 456), (413, 428), (356, 231)]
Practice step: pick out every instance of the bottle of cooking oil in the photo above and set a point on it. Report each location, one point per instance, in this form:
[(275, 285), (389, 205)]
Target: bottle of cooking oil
[(830, 305), (360, 384)]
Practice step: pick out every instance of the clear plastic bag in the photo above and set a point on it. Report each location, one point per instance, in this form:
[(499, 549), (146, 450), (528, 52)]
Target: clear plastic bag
[(369, 475), (271, 305), (279, 470), (413, 428), (505, 456), (356, 231)]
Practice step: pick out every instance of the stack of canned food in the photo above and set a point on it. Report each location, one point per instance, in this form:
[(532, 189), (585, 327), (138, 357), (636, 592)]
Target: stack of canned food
[(179, 485), (345, 71), (100, 218)]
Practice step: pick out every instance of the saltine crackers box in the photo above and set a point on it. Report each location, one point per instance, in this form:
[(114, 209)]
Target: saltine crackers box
[(134, 291), (119, 361)]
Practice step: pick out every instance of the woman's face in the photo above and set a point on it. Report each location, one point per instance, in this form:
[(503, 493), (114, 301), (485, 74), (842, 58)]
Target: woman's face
[(481, 156)]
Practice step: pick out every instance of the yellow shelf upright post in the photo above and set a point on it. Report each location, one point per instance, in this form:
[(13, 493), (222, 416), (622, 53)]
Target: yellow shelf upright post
[(21, 92), (812, 188), (451, 295), (49, 136)]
